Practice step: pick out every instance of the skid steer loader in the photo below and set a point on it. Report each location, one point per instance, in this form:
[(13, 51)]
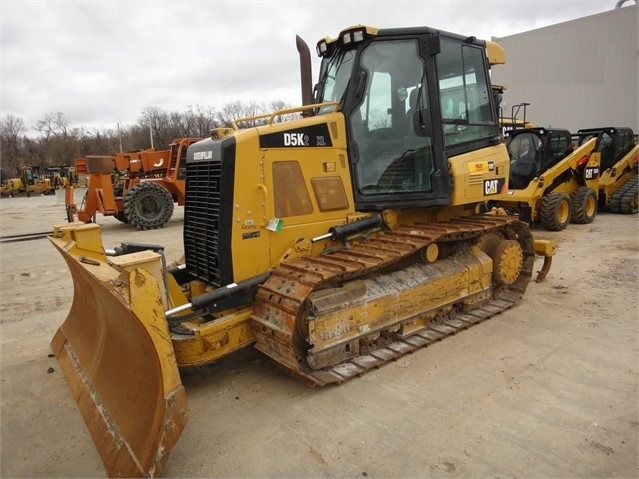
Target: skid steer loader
[(551, 182), (619, 153), (333, 243)]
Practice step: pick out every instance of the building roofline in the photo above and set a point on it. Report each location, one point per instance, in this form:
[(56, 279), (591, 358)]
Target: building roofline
[(575, 20)]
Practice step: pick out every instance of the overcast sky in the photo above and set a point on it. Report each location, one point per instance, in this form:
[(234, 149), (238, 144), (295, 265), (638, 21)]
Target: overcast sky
[(101, 63)]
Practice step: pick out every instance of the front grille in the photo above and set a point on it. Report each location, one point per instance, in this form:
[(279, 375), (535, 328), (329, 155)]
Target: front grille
[(208, 205)]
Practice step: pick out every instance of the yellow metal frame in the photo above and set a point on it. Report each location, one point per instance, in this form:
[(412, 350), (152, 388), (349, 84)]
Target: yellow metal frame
[(614, 178), (533, 194)]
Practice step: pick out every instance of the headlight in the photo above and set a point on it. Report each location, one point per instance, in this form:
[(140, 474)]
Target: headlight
[(322, 48), (353, 36), (358, 36)]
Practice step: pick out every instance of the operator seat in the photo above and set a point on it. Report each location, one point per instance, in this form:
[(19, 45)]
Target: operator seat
[(412, 108)]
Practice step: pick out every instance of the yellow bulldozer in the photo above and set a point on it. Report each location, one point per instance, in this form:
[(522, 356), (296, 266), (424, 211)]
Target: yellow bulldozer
[(61, 176), (333, 243), (27, 182)]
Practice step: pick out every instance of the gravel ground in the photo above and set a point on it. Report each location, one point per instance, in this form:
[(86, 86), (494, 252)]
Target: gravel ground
[(546, 389)]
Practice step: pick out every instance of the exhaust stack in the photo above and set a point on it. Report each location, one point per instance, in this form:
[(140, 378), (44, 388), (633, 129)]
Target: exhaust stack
[(306, 73)]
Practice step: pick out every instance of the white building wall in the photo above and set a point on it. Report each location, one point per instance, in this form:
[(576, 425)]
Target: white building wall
[(578, 74)]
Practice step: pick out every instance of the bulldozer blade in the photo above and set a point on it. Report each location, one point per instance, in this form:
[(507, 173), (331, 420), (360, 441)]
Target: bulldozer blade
[(115, 351)]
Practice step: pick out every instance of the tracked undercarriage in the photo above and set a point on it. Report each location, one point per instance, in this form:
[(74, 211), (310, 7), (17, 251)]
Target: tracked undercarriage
[(624, 200), (336, 316)]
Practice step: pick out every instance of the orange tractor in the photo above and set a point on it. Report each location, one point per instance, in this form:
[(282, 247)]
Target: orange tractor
[(138, 188)]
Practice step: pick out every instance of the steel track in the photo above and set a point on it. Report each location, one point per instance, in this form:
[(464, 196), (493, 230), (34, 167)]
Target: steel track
[(281, 301)]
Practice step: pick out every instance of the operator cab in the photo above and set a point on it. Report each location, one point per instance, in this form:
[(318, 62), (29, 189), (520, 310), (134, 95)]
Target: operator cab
[(412, 99), (614, 143), (533, 151)]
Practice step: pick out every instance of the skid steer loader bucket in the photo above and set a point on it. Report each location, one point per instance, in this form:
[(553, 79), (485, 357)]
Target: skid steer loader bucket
[(116, 355)]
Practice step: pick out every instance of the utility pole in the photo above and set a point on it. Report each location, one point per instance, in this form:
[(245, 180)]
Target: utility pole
[(120, 137)]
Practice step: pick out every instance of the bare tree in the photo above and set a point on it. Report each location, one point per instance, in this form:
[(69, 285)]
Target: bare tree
[(58, 144), (378, 119), (10, 130), (157, 122), (230, 112), (278, 105), (246, 111), (52, 124), (200, 120)]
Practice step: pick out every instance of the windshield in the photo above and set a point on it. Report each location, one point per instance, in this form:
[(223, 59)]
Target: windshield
[(335, 74)]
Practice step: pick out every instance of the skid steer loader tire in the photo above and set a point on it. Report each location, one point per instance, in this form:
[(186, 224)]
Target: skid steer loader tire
[(584, 205), (554, 213), (148, 206)]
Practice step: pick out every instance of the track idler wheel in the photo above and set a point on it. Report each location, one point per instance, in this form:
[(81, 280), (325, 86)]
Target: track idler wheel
[(507, 256)]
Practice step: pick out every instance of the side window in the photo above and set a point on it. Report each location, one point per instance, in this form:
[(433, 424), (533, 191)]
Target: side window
[(523, 147), (464, 94), (607, 148), (624, 144), (559, 148), (378, 113)]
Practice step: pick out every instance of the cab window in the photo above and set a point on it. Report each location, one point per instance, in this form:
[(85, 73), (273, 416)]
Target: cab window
[(464, 94)]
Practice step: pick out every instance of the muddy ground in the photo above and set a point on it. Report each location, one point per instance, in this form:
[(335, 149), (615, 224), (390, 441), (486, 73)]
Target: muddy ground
[(546, 389)]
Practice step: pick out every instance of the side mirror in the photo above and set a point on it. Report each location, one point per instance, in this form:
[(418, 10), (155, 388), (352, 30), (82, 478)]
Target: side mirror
[(420, 122)]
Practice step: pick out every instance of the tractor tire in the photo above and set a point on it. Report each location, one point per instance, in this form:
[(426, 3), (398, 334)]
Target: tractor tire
[(584, 205), (148, 206), (554, 213)]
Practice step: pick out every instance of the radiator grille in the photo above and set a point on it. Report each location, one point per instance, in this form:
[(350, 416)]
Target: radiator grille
[(207, 213)]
